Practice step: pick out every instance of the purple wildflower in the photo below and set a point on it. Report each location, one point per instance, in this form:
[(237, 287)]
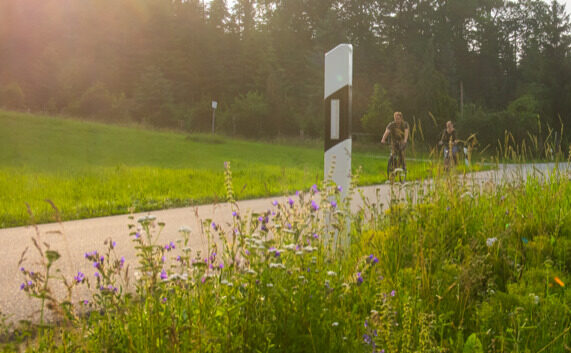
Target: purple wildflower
[(261, 219), (164, 300), (333, 204), (22, 286), (137, 235), (275, 203), (375, 260), (234, 214), (393, 293), (85, 302), (96, 274), (178, 258), (315, 236), (314, 188), (30, 283), (339, 188), (203, 279), (213, 225), (22, 269), (164, 274), (314, 205), (290, 201), (113, 244), (221, 266), (96, 264), (79, 278), (122, 262), (359, 278)]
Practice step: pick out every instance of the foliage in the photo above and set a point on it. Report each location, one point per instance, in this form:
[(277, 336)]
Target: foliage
[(379, 113), (167, 58), (462, 269)]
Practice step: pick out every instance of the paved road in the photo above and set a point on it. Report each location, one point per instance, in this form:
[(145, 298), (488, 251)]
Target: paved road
[(73, 239)]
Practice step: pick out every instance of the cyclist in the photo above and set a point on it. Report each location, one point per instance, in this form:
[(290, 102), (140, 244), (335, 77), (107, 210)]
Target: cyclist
[(398, 131), (449, 138)]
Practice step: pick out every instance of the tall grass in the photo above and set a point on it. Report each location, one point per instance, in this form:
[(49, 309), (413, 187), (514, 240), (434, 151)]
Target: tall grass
[(457, 268)]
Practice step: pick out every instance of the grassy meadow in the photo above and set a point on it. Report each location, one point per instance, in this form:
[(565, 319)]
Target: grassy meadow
[(88, 169)]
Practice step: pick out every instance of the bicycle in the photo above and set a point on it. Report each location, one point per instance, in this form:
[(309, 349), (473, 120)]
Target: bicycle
[(396, 170)]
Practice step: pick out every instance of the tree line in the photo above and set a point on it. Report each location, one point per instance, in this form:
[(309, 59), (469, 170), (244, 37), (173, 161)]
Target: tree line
[(488, 65)]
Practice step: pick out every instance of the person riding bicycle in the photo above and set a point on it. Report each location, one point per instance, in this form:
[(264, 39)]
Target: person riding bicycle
[(398, 131), (449, 137)]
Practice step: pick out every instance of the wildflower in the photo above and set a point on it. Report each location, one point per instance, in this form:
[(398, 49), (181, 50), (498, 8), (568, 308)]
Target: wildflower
[(288, 226), (333, 204), (277, 265), (178, 258), (335, 324), (113, 244), (314, 205), (339, 188), (85, 302), (559, 282), (96, 264), (490, 241), (359, 278), (290, 246), (22, 269), (393, 293), (137, 235), (275, 203), (251, 272), (261, 219), (30, 283), (164, 274), (96, 274), (164, 300), (269, 285), (221, 266), (331, 273), (203, 279), (315, 236), (122, 262), (213, 225), (184, 229), (375, 260), (314, 189), (79, 278), (22, 286), (367, 339), (290, 201)]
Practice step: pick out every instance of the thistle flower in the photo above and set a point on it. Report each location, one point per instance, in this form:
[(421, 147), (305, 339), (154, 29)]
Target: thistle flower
[(359, 278), (79, 278), (164, 274), (314, 205)]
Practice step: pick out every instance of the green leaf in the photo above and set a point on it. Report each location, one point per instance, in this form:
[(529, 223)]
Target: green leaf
[(473, 345)]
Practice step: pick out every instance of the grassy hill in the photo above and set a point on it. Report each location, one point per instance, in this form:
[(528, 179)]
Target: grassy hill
[(89, 169)]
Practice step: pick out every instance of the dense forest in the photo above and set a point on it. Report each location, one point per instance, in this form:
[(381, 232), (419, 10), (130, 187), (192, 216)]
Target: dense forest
[(489, 65)]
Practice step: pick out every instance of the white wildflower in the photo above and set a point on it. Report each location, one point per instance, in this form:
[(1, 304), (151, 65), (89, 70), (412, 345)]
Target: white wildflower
[(184, 229), (491, 241), (269, 285), (335, 324), (290, 247), (331, 273)]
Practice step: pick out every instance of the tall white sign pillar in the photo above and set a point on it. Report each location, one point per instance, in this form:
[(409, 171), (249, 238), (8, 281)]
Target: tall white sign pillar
[(338, 87)]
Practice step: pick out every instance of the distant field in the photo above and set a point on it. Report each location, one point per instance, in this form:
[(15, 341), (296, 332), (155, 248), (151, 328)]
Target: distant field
[(89, 169)]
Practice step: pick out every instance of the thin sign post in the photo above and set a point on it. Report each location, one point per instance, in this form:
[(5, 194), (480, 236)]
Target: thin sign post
[(214, 105)]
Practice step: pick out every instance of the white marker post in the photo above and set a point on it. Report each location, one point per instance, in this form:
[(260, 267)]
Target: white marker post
[(338, 87), (337, 95)]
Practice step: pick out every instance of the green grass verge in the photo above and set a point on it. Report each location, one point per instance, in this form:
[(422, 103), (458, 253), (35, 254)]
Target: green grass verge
[(88, 169)]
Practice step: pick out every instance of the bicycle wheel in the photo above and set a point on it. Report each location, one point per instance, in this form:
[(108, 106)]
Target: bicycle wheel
[(390, 167)]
